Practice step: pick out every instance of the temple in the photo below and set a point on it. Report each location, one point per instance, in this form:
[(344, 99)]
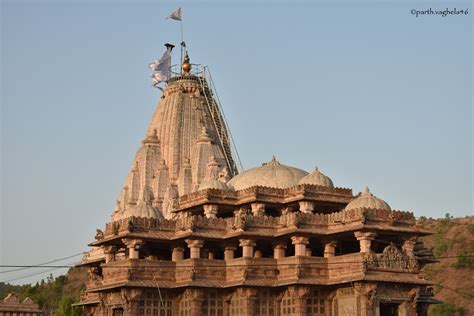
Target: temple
[(189, 235)]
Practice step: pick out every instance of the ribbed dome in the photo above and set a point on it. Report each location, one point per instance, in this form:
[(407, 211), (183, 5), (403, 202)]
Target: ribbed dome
[(368, 200), (271, 174), (213, 184), (317, 178)]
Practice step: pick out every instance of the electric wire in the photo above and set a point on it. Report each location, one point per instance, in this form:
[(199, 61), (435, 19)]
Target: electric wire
[(40, 264)]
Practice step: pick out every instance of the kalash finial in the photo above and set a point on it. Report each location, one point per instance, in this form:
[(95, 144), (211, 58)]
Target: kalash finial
[(186, 65)]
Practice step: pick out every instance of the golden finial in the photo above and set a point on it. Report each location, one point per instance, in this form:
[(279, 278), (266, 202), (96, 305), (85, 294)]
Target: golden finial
[(186, 65)]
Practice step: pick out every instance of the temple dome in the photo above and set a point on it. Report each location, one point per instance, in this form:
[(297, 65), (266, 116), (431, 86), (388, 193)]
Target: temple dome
[(272, 174), (317, 178), (368, 200)]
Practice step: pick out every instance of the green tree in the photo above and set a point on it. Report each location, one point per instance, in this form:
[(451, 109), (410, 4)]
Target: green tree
[(445, 309), (65, 308)]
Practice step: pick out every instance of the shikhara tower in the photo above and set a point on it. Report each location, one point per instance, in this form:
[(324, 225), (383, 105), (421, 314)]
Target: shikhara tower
[(187, 147), (190, 236)]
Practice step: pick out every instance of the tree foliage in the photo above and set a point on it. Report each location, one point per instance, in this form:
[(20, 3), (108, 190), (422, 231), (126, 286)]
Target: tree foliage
[(53, 295)]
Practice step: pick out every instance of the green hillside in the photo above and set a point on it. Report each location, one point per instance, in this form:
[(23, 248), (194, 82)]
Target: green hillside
[(453, 240)]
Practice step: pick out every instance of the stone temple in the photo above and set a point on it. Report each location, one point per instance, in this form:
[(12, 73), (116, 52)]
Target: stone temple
[(189, 235)]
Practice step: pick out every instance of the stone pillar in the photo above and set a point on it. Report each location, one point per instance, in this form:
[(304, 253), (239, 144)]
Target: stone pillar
[(109, 253), (258, 209), (133, 246), (258, 254), (229, 252), (330, 249), (279, 250), (309, 252), (195, 246), (177, 254), (300, 245), (365, 240), (306, 206), (210, 255), (247, 247), (210, 210)]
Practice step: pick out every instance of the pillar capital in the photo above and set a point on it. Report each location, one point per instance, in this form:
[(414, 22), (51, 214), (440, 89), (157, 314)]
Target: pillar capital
[(210, 210), (306, 206), (194, 243), (299, 240), (330, 248), (133, 246), (365, 235), (247, 247), (133, 243), (195, 246), (365, 240), (300, 243), (246, 243)]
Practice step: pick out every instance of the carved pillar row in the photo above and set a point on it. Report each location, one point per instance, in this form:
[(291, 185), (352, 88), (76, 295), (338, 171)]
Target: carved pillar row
[(365, 240), (177, 254), (195, 246), (210, 210), (133, 246), (229, 252), (306, 206), (258, 209), (330, 249), (279, 251), (300, 245), (247, 247)]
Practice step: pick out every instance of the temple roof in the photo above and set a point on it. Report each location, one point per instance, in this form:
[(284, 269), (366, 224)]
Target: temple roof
[(271, 174)]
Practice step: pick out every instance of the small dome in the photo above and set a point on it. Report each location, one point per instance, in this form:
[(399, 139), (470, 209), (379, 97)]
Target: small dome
[(213, 184), (271, 174), (141, 210), (317, 178), (368, 200)]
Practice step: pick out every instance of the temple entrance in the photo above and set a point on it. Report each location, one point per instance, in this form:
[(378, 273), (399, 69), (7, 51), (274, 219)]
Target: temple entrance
[(389, 309), (118, 311)]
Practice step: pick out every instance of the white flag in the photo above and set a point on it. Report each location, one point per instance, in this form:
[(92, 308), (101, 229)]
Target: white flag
[(161, 68), (176, 15)]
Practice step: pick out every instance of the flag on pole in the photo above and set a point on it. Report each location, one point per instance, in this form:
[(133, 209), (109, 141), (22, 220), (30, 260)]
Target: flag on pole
[(161, 67), (176, 15)]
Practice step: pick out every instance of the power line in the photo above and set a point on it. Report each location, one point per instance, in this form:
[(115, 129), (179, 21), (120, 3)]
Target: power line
[(36, 265), (34, 274)]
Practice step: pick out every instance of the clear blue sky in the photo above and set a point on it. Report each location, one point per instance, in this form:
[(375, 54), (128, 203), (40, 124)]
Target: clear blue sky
[(368, 92)]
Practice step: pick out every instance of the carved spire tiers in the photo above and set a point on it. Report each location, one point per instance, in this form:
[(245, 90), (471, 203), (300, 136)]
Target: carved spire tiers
[(180, 141)]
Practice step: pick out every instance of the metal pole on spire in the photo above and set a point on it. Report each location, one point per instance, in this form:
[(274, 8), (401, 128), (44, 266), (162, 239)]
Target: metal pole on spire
[(176, 15)]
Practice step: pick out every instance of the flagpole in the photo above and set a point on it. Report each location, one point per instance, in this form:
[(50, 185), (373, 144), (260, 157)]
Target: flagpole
[(182, 40)]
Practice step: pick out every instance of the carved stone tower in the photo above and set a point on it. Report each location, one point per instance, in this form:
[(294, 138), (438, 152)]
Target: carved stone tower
[(187, 131)]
